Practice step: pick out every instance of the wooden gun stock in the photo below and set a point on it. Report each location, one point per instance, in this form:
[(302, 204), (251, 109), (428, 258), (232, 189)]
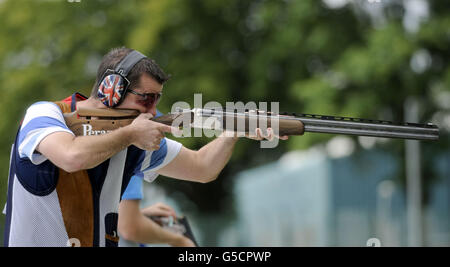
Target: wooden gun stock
[(98, 121), (92, 121)]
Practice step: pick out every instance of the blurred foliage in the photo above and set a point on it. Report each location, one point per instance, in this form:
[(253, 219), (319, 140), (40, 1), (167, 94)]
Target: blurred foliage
[(309, 57)]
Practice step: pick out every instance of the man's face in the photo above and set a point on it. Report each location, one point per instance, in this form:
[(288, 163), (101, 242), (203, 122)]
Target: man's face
[(146, 85)]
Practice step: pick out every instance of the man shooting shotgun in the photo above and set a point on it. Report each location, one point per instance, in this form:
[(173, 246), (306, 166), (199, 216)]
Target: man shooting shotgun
[(72, 160), (65, 188)]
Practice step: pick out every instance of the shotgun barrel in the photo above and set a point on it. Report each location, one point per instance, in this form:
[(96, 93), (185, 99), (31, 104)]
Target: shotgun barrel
[(366, 127), (332, 124)]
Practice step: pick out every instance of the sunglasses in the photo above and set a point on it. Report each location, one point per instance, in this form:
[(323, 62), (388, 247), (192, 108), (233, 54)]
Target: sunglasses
[(149, 98)]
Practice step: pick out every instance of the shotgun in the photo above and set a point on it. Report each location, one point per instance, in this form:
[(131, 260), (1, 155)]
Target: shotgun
[(99, 121)]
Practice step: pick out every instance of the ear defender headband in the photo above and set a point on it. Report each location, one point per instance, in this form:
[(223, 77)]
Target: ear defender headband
[(114, 85)]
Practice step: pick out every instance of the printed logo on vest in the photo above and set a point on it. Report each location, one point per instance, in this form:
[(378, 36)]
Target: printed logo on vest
[(87, 130)]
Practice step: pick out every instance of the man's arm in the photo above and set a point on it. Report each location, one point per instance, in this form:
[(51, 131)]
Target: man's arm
[(135, 226), (83, 152), (206, 164), (203, 165)]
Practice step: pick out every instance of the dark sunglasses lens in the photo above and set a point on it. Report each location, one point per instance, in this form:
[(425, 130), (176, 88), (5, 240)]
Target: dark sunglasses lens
[(153, 98)]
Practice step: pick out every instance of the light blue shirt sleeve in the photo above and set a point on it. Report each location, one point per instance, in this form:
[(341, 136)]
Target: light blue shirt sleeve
[(134, 190), (152, 161)]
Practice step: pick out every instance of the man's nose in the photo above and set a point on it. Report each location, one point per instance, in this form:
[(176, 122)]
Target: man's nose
[(152, 110)]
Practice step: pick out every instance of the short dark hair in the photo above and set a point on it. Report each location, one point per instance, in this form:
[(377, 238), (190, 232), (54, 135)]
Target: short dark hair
[(146, 65)]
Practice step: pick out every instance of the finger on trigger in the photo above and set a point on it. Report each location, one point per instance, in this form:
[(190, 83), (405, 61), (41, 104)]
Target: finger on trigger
[(167, 129)]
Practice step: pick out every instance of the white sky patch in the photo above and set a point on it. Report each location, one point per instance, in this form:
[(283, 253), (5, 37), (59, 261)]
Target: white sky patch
[(367, 142), (420, 61), (336, 79), (442, 120), (340, 147), (440, 96), (334, 4), (416, 11), (19, 60), (91, 65)]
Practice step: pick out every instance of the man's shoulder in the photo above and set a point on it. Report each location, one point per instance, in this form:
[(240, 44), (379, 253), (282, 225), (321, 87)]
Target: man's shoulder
[(43, 106), (42, 111)]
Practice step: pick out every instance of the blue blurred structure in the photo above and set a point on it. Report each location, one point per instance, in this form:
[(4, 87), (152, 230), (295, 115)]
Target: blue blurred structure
[(310, 199), (438, 214)]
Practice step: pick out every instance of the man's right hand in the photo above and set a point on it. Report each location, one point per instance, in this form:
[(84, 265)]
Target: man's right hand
[(147, 134)]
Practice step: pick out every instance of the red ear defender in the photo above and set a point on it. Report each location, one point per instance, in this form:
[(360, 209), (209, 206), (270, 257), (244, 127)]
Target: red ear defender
[(114, 85)]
